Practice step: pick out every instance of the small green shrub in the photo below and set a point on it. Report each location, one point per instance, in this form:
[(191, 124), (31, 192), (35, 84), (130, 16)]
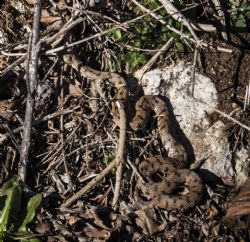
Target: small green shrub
[(17, 209), (239, 13)]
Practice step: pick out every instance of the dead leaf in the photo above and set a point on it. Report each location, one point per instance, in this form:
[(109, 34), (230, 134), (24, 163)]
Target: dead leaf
[(75, 89), (72, 220), (238, 213), (42, 228), (148, 225), (93, 232)]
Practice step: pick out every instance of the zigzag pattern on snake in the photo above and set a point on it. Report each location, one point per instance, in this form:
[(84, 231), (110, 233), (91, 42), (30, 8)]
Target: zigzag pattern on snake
[(163, 175)]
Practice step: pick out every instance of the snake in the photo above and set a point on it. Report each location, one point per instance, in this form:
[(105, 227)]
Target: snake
[(163, 176)]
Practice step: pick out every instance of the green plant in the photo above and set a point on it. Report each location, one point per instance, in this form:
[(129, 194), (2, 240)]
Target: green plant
[(17, 209), (239, 13), (109, 157), (146, 34)]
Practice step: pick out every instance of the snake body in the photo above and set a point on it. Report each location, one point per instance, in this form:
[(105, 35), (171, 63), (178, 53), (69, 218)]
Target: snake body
[(163, 175), (171, 169), (143, 107)]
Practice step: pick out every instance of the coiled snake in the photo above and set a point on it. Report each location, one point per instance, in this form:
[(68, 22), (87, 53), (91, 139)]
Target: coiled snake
[(164, 175)]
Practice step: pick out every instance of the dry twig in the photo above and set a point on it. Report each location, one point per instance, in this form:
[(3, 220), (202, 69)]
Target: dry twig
[(222, 18), (62, 137), (139, 74), (193, 70), (247, 97), (173, 11), (223, 114), (31, 87), (120, 152)]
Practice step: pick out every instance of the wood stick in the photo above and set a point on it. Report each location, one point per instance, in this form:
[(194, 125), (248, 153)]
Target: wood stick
[(31, 87), (120, 152)]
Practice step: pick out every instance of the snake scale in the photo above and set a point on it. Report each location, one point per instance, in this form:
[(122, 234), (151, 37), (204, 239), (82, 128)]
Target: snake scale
[(164, 175)]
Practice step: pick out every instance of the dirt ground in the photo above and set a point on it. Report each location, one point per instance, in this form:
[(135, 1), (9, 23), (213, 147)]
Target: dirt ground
[(230, 72)]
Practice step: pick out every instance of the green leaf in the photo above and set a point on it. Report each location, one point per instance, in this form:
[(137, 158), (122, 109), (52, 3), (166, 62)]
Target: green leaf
[(164, 28), (141, 59), (34, 240), (137, 43), (32, 205), (164, 37), (12, 203), (22, 236), (118, 34), (126, 57), (144, 30), (170, 22), (8, 184), (138, 29), (162, 12), (153, 5), (16, 211), (240, 22), (179, 47), (109, 157)]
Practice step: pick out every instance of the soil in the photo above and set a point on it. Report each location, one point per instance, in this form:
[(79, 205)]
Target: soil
[(230, 73)]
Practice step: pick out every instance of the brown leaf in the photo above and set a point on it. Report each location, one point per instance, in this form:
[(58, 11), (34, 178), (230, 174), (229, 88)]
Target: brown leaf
[(75, 89), (72, 220), (61, 228), (238, 213), (147, 223), (42, 228), (93, 232)]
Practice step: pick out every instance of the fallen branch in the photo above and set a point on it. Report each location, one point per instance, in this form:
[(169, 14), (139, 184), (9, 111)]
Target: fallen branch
[(31, 87), (222, 19), (197, 26), (120, 152)]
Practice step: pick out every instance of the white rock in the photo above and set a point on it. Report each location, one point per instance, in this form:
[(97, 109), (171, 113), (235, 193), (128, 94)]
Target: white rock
[(209, 141)]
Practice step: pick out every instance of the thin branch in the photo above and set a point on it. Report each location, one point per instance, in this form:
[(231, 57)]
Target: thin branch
[(10, 133), (247, 97), (193, 70), (173, 11), (32, 79), (139, 74), (65, 163), (222, 19), (120, 153), (223, 114), (10, 67)]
